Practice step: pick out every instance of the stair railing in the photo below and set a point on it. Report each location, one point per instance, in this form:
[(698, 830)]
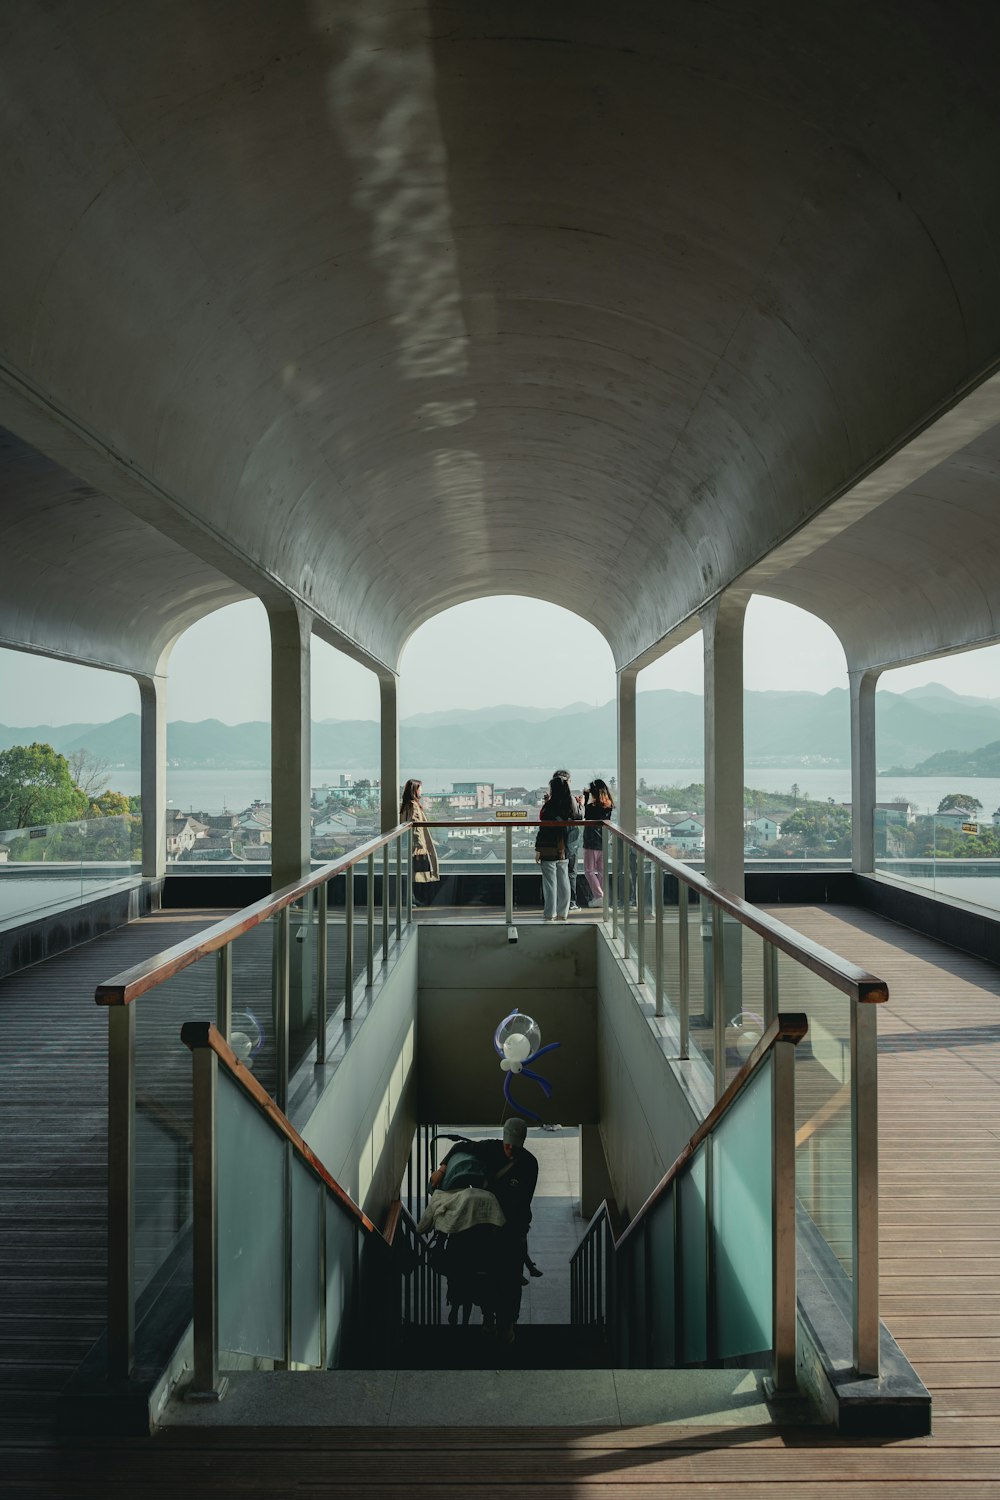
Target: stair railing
[(287, 1266), (278, 948), (706, 1270)]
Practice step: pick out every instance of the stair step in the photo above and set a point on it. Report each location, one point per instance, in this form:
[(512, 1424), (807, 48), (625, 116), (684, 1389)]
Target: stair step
[(537, 1346)]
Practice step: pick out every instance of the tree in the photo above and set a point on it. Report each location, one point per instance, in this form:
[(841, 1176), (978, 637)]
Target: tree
[(110, 805), (88, 772), (959, 802), (36, 786)]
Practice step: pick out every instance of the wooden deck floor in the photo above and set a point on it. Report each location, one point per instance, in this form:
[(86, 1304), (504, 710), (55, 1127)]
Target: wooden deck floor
[(940, 1180)]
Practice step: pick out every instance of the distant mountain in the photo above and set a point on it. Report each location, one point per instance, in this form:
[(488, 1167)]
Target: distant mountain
[(982, 762), (781, 729), (502, 714)]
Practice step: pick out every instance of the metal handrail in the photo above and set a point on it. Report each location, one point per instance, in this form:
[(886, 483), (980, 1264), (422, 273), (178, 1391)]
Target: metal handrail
[(606, 1228), (210, 1051), (131, 983)]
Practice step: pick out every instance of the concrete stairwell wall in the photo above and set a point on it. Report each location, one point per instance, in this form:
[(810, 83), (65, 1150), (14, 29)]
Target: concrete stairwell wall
[(470, 978)]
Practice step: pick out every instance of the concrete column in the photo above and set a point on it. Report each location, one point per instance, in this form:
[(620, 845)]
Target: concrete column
[(625, 811), (153, 774), (722, 629), (290, 742), (389, 750), (863, 790)]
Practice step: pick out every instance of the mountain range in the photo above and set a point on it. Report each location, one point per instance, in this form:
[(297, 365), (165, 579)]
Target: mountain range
[(781, 729)]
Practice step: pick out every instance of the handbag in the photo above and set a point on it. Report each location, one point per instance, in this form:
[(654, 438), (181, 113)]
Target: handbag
[(421, 864)]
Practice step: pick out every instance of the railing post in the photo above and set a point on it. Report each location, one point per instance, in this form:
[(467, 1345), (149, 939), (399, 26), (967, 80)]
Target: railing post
[(399, 887), (612, 876), (281, 1007), (508, 875), (288, 1252), (322, 969), (658, 937), (718, 1000), (385, 903), (626, 885), (324, 1353), (349, 943), (770, 982), (370, 933), (208, 1384), (640, 917), (683, 969), (409, 877), (224, 991), (784, 1316), (605, 846), (864, 1186), (121, 1190)]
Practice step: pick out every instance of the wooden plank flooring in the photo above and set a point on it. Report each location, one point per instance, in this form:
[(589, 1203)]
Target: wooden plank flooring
[(940, 1177)]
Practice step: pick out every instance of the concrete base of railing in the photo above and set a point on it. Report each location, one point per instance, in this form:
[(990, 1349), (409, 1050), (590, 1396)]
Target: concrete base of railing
[(897, 1404), (51, 932)]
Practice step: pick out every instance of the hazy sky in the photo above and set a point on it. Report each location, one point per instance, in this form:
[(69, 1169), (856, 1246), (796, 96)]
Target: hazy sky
[(509, 650)]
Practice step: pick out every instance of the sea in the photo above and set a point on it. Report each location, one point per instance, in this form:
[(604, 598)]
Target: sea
[(222, 791)]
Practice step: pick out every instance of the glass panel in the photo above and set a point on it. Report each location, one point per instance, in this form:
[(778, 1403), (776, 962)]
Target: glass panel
[(745, 1021), (701, 982), (956, 854), (341, 1277), (253, 1034), (302, 950), (336, 944), (822, 1104), (741, 1219), (660, 1249), (694, 1262), (307, 1269), (163, 1112), (61, 864), (251, 1178)]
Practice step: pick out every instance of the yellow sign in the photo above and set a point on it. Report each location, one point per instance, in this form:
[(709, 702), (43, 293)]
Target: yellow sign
[(970, 827), (510, 812)]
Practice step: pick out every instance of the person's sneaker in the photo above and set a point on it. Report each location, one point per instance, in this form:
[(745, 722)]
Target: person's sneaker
[(552, 1127), (533, 1270), (506, 1335)]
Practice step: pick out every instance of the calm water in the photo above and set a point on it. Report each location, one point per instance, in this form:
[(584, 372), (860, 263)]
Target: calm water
[(216, 791)]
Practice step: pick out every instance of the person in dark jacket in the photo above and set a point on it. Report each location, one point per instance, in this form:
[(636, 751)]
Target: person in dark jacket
[(511, 1172), (551, 849), (598, 805)]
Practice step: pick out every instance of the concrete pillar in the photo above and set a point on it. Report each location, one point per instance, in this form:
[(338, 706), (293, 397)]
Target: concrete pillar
[(863, 766), (290, 748), (722, 629), (153, 774), (389, 750), (625, 811)]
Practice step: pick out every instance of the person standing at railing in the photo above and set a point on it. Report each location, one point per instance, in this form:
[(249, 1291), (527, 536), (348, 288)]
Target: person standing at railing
[(551, 849), (572, 843), (598, 805), (425, 861)]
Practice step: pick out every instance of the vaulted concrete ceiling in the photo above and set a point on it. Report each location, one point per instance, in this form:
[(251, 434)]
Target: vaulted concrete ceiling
[(393, 306)]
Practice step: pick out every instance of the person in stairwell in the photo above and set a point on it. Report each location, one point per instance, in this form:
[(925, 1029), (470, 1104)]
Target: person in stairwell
[(511, 1173)]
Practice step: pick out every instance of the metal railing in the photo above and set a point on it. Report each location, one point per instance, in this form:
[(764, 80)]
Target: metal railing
[(315, 1284), (210, 966), (691, 946), (683, 1283)]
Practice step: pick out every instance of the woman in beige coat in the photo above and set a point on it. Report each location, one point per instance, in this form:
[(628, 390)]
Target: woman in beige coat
[(425, 861)]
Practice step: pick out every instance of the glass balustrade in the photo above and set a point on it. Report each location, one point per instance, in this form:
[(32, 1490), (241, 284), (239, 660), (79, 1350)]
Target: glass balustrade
[(58, 865)]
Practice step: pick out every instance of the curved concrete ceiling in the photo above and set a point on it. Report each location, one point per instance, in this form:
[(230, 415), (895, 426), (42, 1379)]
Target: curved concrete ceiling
[(82, 577), (407, 305)]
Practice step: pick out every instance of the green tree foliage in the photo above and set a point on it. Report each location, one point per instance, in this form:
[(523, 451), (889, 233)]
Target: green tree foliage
[(36, 787), (818, 826), (959, 802)]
